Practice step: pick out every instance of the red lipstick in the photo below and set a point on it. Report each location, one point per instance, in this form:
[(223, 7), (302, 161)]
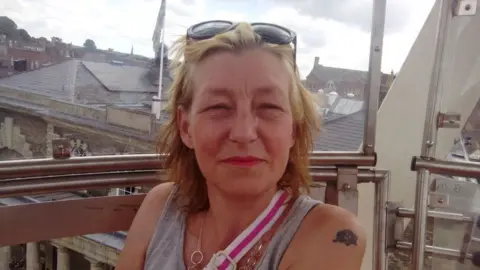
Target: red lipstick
[(244, 161)]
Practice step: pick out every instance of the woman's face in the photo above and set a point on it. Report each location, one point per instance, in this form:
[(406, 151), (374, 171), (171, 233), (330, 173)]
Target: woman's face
[(240, 123)]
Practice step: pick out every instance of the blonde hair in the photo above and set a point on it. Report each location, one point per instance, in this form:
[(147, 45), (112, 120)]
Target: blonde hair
[(179, 160)]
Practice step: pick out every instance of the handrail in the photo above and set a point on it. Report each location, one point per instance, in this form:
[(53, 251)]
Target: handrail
[(58, 183), (450, 168), (97, 214), (96, 164)]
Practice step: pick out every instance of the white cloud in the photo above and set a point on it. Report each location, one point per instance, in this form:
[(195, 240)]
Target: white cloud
[(119, 24)]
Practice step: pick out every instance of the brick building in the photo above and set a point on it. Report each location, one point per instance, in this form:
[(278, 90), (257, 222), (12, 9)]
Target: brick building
[(19, 56), (347, 83)]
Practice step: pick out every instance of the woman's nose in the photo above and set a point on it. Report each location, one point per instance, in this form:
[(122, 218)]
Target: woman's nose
[(243, 127)]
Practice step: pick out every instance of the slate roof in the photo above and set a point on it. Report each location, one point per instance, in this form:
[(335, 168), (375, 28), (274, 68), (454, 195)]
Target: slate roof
[(93, 83), (87, 83), (341, 132), (118, 78)]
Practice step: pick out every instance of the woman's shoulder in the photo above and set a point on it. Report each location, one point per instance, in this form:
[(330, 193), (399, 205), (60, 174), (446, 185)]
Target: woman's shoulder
[(143, 226), (160, 193), (327, 236), (157, 197)]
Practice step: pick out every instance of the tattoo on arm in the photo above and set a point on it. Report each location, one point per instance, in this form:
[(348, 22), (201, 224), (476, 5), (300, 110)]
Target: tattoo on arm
[(346, 237)]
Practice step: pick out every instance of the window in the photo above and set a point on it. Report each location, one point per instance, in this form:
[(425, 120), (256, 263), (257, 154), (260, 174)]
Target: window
[(331, 86)]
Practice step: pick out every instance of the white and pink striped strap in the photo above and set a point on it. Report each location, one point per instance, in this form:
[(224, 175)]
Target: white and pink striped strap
[(228, 258)]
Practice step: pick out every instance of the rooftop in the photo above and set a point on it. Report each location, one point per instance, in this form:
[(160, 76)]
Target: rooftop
[(88, 83)]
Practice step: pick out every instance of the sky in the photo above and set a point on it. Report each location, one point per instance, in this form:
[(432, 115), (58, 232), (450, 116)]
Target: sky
[(337, 31)]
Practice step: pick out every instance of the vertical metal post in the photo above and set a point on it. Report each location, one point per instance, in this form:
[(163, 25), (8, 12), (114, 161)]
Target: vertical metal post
[(372, 89), (380, 223), (429, 136)]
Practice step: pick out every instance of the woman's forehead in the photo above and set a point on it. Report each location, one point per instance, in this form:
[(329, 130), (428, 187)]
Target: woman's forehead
[(254, 71)]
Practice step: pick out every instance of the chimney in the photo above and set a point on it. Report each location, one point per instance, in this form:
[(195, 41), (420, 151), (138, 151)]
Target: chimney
[(316, 62)]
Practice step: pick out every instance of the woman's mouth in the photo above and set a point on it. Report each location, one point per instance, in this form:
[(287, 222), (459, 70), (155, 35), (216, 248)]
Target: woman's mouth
[(243, 161)]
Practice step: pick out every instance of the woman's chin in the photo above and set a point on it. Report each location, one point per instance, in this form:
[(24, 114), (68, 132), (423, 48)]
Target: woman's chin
[(245, 188)]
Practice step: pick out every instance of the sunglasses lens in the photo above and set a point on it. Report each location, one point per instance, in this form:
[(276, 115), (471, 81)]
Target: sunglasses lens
[(273, 34), (210, 29)]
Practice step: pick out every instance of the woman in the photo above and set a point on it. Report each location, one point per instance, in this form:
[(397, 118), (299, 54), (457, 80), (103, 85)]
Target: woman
[(238, 139)]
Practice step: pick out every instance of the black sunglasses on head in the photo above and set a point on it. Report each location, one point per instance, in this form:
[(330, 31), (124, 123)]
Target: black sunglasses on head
[(268, 32)]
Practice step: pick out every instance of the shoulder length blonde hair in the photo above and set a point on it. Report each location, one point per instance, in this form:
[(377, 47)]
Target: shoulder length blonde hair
[(179, 160)]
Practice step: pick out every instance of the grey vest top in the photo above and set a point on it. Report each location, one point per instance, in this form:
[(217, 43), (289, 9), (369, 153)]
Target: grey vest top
[(166, 246)]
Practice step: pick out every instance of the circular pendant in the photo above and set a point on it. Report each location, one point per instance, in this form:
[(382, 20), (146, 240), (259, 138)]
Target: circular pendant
[(196, 257)]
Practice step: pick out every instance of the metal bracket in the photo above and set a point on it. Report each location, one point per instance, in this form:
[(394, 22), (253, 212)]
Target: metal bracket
[(395, 226), (448, 120), (464, 7), (438, 200), (347, 188)]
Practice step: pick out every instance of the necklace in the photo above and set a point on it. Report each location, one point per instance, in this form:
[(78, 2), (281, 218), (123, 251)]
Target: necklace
[(197, 256)]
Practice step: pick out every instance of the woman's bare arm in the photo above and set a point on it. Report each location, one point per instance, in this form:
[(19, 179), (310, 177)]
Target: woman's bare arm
[(142, 228), (329, 238)]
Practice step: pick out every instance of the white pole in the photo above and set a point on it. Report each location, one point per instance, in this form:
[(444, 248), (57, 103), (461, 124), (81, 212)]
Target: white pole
[(160, 78), (159, 29)]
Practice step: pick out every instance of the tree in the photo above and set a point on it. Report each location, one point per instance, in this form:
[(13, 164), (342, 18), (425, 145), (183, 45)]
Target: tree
[(56, 40), (8, 26), (24, 35), (90, 45)]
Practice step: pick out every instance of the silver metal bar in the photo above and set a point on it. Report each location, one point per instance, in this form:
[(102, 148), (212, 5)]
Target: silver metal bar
[(374, 76), (429, 137), (450, 168), (342, 158), (420, 219), (410, 213), (435, 89), (380, 223), (95, 164), (447, 253), (467, 241), (92, 164), (28, 186)]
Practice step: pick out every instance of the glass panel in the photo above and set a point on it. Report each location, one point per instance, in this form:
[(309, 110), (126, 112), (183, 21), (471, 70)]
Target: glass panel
[(101, 77), (460, 95)]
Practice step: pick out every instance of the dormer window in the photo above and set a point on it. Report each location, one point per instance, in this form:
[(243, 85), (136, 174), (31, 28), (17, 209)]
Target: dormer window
[(331, 86)]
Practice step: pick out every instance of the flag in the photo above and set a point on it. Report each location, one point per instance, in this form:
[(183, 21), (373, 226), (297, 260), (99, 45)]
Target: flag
[(158, 47), (157, 37)]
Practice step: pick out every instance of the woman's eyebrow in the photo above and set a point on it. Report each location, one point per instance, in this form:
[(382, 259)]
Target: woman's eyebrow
[(218, 91)]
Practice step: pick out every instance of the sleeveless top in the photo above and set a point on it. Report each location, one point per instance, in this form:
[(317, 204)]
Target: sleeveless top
[(165, 250)]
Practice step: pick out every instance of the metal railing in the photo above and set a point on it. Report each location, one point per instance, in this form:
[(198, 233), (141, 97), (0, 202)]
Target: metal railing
[(107, 214)]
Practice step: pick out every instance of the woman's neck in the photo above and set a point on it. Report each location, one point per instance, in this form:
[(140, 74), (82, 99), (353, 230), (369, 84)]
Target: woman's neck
[(228, 216)]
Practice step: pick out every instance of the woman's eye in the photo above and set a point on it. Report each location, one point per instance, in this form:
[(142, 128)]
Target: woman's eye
[(219, 107), (269, 106)]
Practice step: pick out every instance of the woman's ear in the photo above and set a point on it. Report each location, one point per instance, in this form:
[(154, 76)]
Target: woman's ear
[(183, 123)]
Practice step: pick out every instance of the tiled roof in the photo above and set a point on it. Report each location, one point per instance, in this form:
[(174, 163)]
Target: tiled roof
[(87, 83), (341, 133), (55, 80), (121, 78)]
